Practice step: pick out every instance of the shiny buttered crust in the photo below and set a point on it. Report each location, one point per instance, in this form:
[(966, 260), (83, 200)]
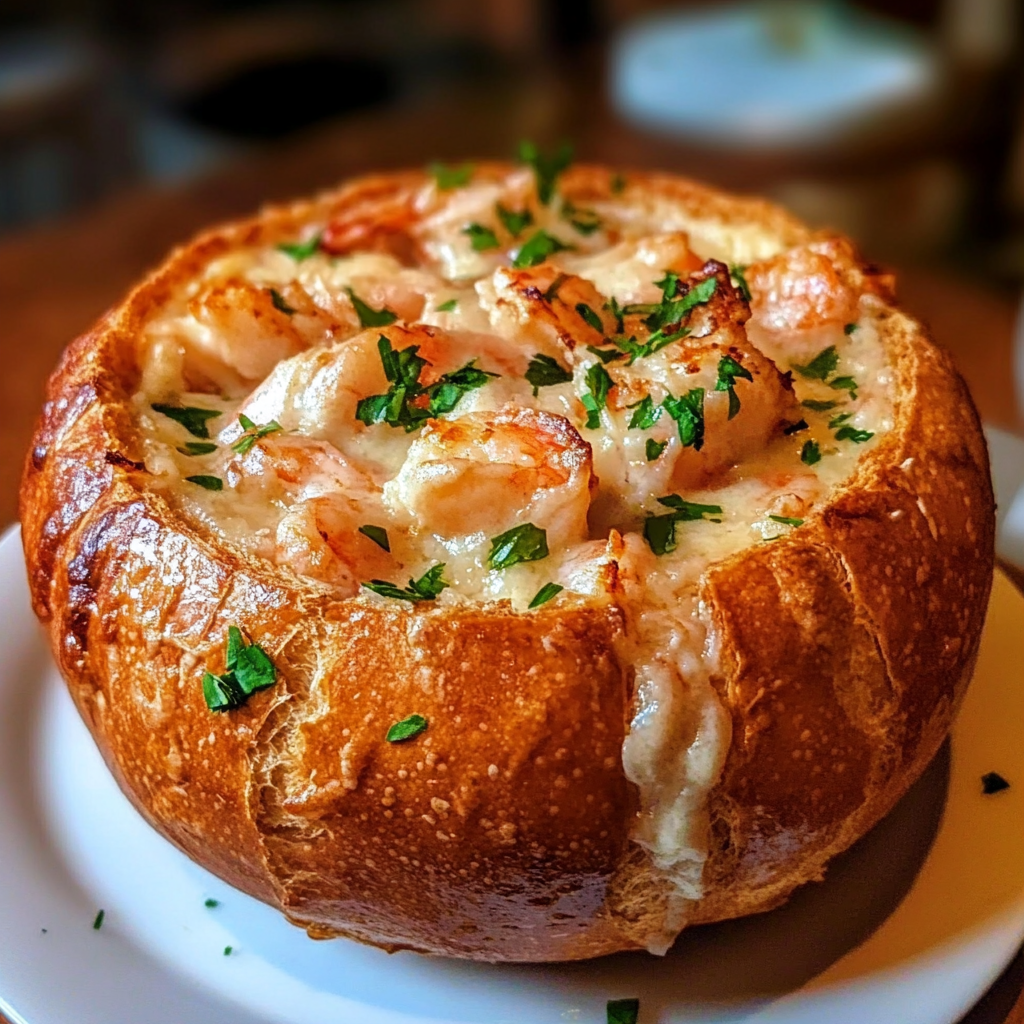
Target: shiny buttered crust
[(845, 648)]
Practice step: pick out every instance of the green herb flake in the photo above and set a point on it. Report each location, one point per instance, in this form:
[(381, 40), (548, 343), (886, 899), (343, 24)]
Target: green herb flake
[(209, 483), (818, 406), (97, 922), (552, 290), (190, 417), (280, 303), (515, 221), (481, 238), (586, 222), (836, 420), (993, 782), (545, 594), (525, 543), (671, 310), (795, 428), (589, 317), (211, 903), (844, 384), (406, 729), (448, 306), (369, 317), (446, 392), (450, 177), (810, 453), (426, 588), (596, 397), (645, 414), (228, 950), (738, 275), (537, 249), (822, 366), (545, 372), (623, 1011), (660, 530), (378, 535), (613, 307), (729, 370), (617, 185), (606, 355), (654, 448), (546, 168), (253, 433), (848, 329), (849, 433), (688, 412), (248, 669), (300, 251), (197, 448), (786, 520)]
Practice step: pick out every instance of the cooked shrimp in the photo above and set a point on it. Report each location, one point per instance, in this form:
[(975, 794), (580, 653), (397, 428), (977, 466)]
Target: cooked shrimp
[(377, 218), (488, 472)]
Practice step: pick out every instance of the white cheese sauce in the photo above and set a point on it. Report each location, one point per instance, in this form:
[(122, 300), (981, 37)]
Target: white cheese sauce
[(262, 335)]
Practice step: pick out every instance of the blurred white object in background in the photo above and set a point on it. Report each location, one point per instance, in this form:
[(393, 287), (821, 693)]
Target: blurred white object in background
[(769, 75)]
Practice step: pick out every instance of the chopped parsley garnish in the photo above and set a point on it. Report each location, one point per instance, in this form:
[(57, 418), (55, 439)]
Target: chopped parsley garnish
[(253, 433), (688, 412), (426, 588), (729, 370), (300, 251), (848, 329), (844, 384), (738, 275), (586, 222), (228, 950), (670, 311), (786, 520), (645, 414), (368, 316), (613, 307), (537, 249), (640, 350), (378, 535), (617, 185), (526, 543), (552, 290), (849, 433), (408, 727), (589, 317), (211, 903), (197, 448), (190, 417), (248, 669), (546, 168), (654, 448), (795, 428), (448, 307), (836, 420), (548, 591), (515, 221), (402, 369), (279, 302), (822, 366), (660, 530), (209, 483), (97, 923), (450, 177), (991, 782), (596, 396), (544, 372), (481, 238), (606, 355), (810, 453), (623, 1011), (818, 406)]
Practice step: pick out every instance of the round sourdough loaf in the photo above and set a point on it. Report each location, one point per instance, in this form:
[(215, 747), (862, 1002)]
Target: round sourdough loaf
[(512, 828)]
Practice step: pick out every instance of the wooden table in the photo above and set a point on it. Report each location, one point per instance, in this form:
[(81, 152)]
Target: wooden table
[(55, 281)]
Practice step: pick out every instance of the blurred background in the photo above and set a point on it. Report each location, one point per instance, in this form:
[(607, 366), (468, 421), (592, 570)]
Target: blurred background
[(901, 122)]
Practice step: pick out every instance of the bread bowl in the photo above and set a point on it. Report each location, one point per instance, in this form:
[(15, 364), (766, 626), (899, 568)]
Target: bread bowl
[(733, 683)]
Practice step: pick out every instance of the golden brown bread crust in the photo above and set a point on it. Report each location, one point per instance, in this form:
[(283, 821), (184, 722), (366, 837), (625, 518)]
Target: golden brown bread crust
[(503, 835)]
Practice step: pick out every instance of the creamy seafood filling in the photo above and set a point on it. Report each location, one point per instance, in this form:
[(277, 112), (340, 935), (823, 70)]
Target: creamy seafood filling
[(493, 387)]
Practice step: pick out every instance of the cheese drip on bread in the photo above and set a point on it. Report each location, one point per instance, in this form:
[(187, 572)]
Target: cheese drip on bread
[(387, 392)]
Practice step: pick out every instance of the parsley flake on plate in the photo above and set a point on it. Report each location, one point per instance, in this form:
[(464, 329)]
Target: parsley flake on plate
[(818, 406), (786, 520), (368, 316), (406, 729), (545, 594), (448, 306), (97, 922), (211, 903), (729, 370), (810, 453), (660, 530), (450, 177), (645, 414), (848, 433), (654, 449), (596, 397), (688, 412), (248, 669), (378, 535), (623, 1011), (279, 302), (208, 483), (192, 418), (426, 588), (738, 275), (515, 221), (545, 372), (822, 366), (300, 251), (536, 249), (481, 238), (253, 433), (546, 167), (197, 448), (525, 543), (589, 317)]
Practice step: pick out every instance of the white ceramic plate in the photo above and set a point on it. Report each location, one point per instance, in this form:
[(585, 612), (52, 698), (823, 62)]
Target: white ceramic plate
[(911, 925)]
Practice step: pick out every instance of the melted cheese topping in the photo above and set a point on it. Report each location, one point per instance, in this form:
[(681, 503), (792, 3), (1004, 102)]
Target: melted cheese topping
[(281, 341)]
